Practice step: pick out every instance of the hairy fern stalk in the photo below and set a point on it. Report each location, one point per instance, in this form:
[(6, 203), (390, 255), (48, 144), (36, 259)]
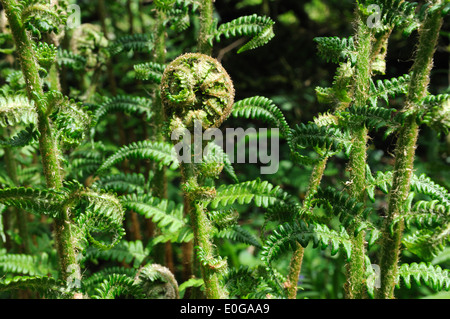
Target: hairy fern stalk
[(106, 192)]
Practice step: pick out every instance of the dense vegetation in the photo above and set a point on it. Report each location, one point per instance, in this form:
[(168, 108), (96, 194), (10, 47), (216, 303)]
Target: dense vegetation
[(107, 193)]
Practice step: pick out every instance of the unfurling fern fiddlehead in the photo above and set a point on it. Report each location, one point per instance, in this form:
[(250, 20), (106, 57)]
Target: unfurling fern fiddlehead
[(195, 87)]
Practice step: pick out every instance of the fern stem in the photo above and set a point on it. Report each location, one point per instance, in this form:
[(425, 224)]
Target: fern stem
[(297, 257), (355, 287), (47, 141), (206, 24), (202, 230), (405, 153)]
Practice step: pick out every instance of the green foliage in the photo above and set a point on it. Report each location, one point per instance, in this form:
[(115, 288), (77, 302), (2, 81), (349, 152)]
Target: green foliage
[(149, 71), (260, 28), (86, 114), (261, 108), (166, 214), (135, 42), (286, 235), (432, 276), (336, 50), (160, 152)]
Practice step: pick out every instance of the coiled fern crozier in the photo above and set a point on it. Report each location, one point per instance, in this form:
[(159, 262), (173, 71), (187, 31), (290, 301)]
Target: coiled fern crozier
[(93, 115)]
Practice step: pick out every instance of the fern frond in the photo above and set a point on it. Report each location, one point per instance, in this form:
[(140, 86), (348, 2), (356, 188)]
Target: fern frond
[(123, 103), (261, 108), (16, 110), (117, 285), (427, 243), (385, 89), (336, 50), (102, 215), (240, 234), (262, 193), (287, 234), (72, 119), (260, 28), (45, 54), (213, 263), (165, 213), (223, 219), (70, 60), (39, 16), (214, 160), (322, 139), (432, 276), (121, 183), (39, 201), (424, 185), (157, 282), (396, 14), (124, 252), (345, 207), (161, 152), (23, 138), (436, 113), (149, 71), (373, 117), (96, 278), (44, 285), (33, 265), (141, 42)]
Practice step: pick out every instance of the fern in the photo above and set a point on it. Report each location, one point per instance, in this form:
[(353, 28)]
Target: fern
[(324, 140), (23, 138), (432, 276), (45, 54), (260, 28), (90, 283), (223, 219), (72, 119), (373, 117), (396, 14), (121, 183), (240, 234), (46, 286), (262, 193), (261, 108), (39, 16), (336, 50), (385, 89), (149, 71), (102, 214), (215, 159), (39, 201), (128, 252), (135, 42), (346, 208), (435, 112), (213, 263), (166, 214), (16, 110), (160, 152), (123, 103), (117, 285), (424, 185), (427, 243), (33, 265), (287, 234), (70, 60), (157, 282)]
